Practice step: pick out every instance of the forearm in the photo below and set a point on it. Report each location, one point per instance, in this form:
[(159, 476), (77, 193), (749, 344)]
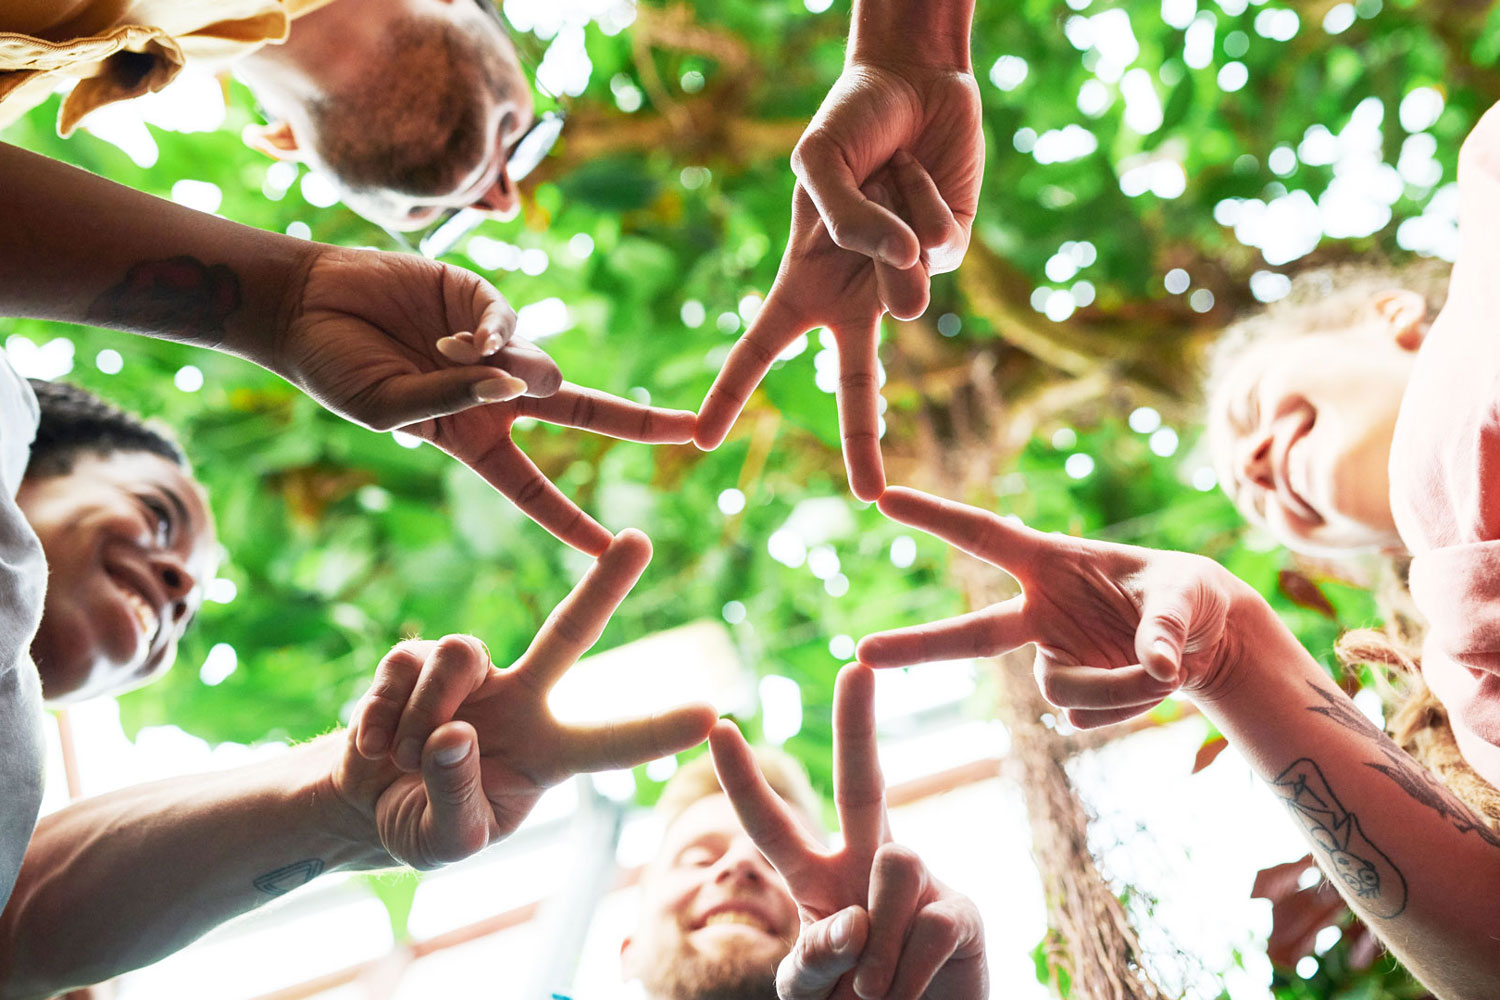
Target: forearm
[(115, 882), (83, 249), (1411, 860), (927, 31)]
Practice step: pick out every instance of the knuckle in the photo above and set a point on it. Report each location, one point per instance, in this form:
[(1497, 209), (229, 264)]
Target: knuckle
[(452, 649)]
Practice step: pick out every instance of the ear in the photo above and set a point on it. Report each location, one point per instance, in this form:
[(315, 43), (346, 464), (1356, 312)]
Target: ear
[(1404, 314), (276, 140)]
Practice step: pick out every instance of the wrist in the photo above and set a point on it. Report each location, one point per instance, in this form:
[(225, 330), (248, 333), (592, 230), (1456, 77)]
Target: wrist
[(340, 827), (1257, 649), (929, 33), (274, 285)]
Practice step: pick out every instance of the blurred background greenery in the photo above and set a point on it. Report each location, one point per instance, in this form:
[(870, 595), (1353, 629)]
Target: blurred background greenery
[(1154, 167)]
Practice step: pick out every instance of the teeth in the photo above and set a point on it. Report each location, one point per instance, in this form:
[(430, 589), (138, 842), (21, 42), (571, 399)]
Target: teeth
[(735, 917), (142, 611)]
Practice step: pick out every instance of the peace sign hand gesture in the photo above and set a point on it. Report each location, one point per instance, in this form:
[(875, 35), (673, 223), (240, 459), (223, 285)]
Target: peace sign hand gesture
[(820, 284), (1117, 628), (481, 740), (870, 907)]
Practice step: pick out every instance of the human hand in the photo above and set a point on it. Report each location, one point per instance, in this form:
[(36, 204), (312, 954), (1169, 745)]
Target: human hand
[(819, 284), (869, 907), (447, 753), (882, 106), (393, 340), (1117, 628)]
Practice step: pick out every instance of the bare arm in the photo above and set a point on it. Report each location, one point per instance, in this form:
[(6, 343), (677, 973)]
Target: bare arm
[(1411, 860), (118, 881)]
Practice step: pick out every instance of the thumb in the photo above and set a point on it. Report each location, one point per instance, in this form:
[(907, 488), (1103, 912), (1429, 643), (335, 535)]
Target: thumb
[(408, 399), (457, 820), (1161, 636), (824, 952)]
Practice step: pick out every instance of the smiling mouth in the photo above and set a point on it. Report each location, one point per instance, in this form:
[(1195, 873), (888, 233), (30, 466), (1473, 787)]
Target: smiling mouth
[(140, 608), (736, 918)]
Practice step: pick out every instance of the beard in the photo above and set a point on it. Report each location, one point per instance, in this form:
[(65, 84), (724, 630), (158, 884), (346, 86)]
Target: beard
[(741, 973)]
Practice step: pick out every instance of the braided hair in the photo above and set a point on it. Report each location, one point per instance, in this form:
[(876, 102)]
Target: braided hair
[(74, 421)]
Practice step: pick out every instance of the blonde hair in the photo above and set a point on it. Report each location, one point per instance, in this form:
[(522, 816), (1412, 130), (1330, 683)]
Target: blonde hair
[(1325, 300), (696, 780), (1416, 720)]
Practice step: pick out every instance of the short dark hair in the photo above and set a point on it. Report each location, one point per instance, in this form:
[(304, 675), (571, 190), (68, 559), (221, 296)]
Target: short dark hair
[(74, 421), (421, 123)]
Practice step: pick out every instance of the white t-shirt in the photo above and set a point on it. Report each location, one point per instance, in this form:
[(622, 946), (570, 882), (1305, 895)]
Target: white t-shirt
[(23, 583)]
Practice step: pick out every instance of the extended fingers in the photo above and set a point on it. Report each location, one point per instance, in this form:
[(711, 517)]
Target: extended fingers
[(505, 467), (898, 881), (768, 820), (454, 668), (980, 533), (858, 785), (589, 409), (987, 632), (751, 357), (824, 951), (859, 410), (576, 623), (615, 745)]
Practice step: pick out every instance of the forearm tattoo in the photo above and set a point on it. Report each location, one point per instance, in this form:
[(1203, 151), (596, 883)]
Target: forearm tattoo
[(1346, 853), (1415, 780), (176, 297), (283, 880)]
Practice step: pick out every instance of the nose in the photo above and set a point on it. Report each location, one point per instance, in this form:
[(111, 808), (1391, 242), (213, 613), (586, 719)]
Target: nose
[(1255, 459), (177, 582), (743, 864), (500, 200)]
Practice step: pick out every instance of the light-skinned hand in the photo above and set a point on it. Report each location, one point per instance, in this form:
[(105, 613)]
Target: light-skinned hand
[(875, 923), (397, 341), (1117, 628), (821, 285), (447, 753)]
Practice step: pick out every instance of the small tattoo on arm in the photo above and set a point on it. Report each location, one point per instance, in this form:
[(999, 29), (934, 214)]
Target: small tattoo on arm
[(1364, 871), (176, 297), (1415, 780), (283, 880)]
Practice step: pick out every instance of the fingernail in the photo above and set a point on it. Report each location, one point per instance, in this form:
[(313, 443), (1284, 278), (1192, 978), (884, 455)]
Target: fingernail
[(376, 740), (842, 931), (449, 756), (409, 754), (498, 390), (902, 158), (890, 252), (452, 348)]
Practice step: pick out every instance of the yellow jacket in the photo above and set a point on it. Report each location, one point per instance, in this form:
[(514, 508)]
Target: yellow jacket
[(119, 49)]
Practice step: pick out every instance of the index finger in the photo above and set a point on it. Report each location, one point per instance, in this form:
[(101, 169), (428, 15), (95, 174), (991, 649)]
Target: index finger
[(773, 328), (781, 837), (505, 467), (601, 413), (576, 624), (859, 411), (858, 785), (1013, 547)]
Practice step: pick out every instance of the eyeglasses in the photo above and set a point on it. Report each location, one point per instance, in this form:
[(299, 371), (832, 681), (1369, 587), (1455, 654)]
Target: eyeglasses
[(524, 157)]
